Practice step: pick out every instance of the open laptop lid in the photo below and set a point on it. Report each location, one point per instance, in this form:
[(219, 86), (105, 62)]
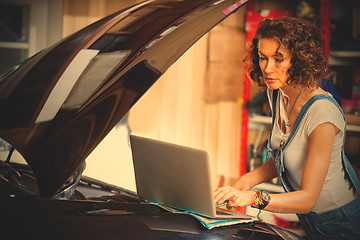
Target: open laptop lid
[(174, 175)]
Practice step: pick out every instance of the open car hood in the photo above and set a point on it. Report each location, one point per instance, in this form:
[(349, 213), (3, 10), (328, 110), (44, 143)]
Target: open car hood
[(58, 105)]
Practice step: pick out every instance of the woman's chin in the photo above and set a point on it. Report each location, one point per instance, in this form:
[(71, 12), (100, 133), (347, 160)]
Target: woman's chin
[(272, 85)]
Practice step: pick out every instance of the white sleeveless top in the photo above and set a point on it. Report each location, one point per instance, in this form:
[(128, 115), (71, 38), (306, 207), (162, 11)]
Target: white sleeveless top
[(336, 191)]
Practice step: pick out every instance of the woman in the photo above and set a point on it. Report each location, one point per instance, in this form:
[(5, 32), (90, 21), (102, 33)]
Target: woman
[(306, 142)]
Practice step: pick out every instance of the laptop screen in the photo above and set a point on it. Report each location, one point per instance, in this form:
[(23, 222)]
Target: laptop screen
[(174, 175)]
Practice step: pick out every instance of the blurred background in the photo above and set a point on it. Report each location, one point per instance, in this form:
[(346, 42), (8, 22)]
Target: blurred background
[(204, 100)]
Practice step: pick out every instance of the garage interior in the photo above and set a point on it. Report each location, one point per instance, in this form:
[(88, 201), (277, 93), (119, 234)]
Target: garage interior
[(204, 100)]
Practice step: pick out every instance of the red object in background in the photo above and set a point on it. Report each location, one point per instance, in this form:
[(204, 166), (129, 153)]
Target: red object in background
[(325, 15), (253, 18), (241, 209), (356, 86), (281, 222), (244, 127)]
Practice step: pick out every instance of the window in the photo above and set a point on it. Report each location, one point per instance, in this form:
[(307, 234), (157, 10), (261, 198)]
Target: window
[(26, 27)]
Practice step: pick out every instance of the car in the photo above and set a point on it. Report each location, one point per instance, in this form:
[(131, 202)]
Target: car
[(58, 105)]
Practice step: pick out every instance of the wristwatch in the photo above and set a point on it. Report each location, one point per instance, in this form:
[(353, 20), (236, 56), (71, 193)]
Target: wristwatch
[(266, 199), (261, 199)]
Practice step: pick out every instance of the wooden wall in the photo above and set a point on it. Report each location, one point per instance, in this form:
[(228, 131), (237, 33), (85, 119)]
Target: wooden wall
[(184, 105), (80, 13)]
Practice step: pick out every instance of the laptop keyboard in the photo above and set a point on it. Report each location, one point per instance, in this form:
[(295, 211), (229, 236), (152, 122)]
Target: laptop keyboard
[(221, 212)]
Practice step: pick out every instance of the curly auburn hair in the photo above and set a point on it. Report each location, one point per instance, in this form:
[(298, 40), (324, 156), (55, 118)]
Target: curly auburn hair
[(302, 39)]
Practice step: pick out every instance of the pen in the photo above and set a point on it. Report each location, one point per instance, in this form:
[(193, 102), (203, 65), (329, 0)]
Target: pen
[(222, 204)]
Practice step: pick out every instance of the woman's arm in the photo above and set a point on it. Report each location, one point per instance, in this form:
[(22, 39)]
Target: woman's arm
[(263, 173), (321, 141)]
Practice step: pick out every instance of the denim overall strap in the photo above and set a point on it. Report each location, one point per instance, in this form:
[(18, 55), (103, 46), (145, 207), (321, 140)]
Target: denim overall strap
[(279, 153), (275, 94)]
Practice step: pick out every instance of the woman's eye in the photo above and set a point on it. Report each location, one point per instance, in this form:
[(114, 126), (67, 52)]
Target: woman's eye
[(279, 60), (262, 58)]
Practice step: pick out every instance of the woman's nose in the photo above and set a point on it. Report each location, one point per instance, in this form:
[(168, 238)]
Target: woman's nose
[(269, 66)]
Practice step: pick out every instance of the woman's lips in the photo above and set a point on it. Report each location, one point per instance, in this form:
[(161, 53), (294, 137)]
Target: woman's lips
[(270, 80)]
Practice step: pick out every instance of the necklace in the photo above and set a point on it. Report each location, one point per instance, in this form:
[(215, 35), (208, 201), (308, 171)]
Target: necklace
[(292, 109)]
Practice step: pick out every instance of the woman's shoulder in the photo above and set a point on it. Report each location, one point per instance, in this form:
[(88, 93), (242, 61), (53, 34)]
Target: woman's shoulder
[(324, 110), (322, 102), (325, 105)]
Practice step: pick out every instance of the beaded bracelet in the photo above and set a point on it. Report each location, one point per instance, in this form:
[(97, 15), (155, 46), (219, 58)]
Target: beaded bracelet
[(261, 200)]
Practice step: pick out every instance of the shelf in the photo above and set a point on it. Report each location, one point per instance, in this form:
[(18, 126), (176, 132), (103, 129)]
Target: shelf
[(344, 58), (256, 121), (352, 128), (342, 61), (345, 54), (353, 122)]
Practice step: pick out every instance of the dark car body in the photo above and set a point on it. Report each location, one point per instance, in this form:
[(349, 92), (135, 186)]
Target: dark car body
[(58, 105)]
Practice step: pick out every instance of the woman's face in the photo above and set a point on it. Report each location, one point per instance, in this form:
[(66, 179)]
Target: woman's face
[(274, 63)]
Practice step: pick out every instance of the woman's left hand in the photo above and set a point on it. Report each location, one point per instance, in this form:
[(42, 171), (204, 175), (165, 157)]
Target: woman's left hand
[(237, 198)]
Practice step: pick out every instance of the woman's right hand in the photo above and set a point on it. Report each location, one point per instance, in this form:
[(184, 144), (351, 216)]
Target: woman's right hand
[(235, 197)]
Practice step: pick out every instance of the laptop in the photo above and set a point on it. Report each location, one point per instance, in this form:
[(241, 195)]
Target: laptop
[(176, 176)]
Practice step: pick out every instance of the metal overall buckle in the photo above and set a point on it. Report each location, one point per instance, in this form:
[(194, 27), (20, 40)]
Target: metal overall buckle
[(282, 144)]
